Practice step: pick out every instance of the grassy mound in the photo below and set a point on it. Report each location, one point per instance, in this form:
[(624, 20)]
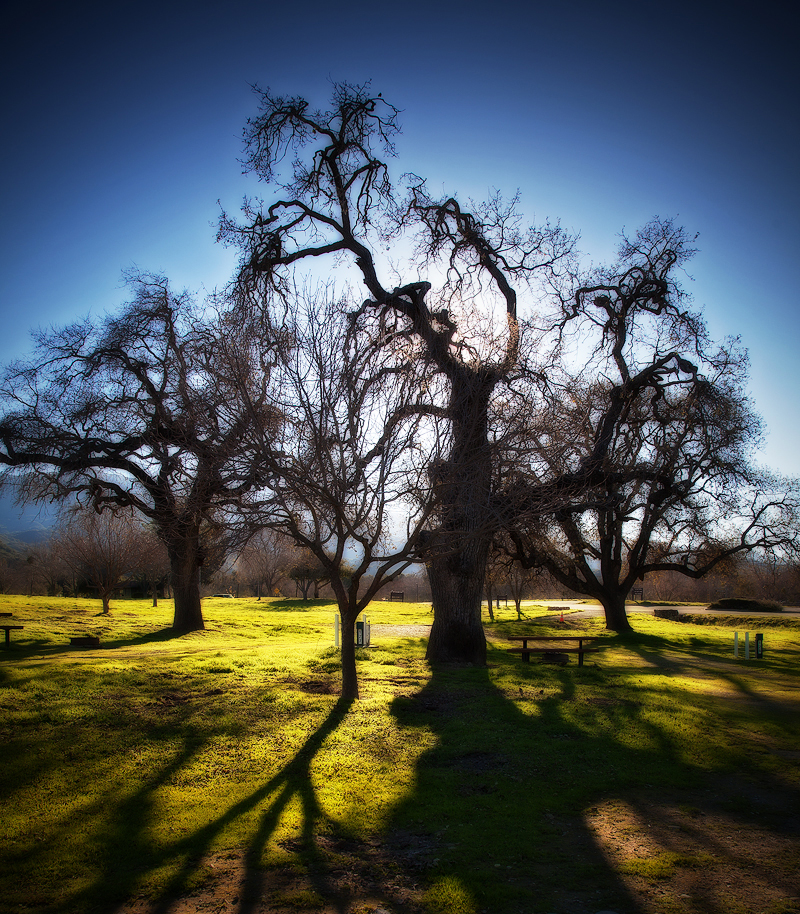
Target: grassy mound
[(758, 606), (740, 621)]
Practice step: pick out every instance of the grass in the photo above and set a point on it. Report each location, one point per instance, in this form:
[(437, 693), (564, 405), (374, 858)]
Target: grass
[(132, 770)]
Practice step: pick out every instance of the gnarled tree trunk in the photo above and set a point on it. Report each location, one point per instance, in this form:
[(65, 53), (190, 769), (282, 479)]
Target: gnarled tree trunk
[(456, 589), (457, 568), (184, 560)]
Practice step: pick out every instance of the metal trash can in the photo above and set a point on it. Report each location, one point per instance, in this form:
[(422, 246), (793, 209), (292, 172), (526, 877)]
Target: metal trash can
[(360, 639), (759, 645)]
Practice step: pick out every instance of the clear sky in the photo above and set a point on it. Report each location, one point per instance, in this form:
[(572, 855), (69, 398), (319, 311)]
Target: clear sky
[(122, 129)]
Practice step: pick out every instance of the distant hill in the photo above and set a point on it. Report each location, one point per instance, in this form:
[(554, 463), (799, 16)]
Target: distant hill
[(7, 549), (25, 525), (29, 537)]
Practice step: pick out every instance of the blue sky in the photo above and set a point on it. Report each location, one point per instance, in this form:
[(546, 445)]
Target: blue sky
[(122, 129)]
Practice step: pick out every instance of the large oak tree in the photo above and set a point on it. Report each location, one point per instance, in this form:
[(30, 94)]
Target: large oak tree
[(657, 428), (333, 207)]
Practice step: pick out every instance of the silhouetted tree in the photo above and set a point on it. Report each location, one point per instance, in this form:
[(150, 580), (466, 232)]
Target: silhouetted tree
[(658, 429), (131, 413), (266, 561), (337, 201), (337, 472), (102, 549)]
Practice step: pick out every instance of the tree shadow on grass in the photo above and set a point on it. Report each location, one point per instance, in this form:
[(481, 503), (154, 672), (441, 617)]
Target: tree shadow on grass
[(129, 859), (294, 605), (494, 823), (550, 795), (47, 648)]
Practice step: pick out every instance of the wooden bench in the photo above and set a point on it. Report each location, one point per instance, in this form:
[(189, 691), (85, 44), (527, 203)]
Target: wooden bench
[(8, 629), (526, 651)]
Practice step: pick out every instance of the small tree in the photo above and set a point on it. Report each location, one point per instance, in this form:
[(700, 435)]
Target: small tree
[(266, 561), (103, 549)]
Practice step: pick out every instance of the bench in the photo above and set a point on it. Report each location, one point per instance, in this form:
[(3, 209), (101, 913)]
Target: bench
[(553, 651), (8, 629), (85, 641)]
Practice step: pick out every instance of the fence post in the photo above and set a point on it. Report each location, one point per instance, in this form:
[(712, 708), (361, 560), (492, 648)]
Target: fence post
[(736, 644), (336, 629)]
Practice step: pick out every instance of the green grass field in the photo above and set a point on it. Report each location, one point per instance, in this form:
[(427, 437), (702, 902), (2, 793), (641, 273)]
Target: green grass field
[(217, 771)]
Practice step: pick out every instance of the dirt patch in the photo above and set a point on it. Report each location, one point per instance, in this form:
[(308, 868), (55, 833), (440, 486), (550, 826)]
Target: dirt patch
[(329, 877), (733, 851)]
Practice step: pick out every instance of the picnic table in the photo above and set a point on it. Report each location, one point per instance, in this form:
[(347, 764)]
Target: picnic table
[(551, 649)]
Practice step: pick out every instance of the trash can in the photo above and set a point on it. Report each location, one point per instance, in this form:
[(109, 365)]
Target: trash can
[(360, 634), (759, 645)]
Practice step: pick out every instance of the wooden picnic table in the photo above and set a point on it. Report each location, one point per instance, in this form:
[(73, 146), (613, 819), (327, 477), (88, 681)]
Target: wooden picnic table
[(526, 651)]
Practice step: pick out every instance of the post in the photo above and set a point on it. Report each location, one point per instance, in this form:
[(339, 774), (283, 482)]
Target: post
[(747, 645), (736, 644), (336, 629)]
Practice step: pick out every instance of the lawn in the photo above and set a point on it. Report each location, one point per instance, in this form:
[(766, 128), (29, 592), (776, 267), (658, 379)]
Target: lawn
[(217, 771)]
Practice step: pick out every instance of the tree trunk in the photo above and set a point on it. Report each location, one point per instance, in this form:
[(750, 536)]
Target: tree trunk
[(456, 581), (456, 573), (616, 616), (184, 559), (349, 676), (105, 598)]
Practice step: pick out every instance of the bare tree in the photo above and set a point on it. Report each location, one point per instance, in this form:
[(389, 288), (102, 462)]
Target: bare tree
[(267, 561), (130, 413), (103, 549), (337, 202), (659, 433), (153, 564), (519, 581), (46, 565), (336, 473)]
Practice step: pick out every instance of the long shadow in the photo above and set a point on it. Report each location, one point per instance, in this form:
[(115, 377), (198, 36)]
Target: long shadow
[(498, 799), (25, 649), (121, 834), (293, 780), (128, 855), (505, 802)]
